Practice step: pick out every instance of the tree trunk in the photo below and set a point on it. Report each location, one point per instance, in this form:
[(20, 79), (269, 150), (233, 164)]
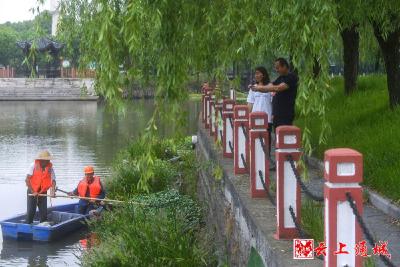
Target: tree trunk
[(351, 40), (390, 48), (377, 61), (316, 68)]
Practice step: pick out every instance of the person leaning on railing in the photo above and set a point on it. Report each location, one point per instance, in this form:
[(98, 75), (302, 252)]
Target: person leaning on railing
[(285, 86), (262, 101)]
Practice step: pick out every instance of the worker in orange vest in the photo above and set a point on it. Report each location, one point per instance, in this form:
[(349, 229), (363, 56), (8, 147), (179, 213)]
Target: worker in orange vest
[(90, 186), (39, 179)]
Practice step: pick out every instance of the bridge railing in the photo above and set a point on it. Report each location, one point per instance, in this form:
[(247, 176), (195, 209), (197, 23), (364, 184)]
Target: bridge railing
[(244, 137)]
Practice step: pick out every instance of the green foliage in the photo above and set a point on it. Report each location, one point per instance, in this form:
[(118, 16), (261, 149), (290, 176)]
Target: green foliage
[(363, 122), (255, 259), (369, 262), (127, 170), (10, 33), (170, 236), (218, 172), (312, 219), (8, 48), (163, 42), (188, 167), (204, 36)]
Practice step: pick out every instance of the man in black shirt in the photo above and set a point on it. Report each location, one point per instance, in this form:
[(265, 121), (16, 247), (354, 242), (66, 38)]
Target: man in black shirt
[(285, 86)]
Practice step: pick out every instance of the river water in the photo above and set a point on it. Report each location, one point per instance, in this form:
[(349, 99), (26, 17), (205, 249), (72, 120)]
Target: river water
[(77, 134)]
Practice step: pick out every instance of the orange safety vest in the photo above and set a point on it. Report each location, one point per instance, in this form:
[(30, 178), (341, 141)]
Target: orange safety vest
[(94, 187), (41, 180)]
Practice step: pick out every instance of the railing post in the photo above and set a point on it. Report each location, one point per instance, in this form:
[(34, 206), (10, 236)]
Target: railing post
[(241, 142), (288, 192), (212, 115), (218, 121), (203, 105), (232, 94), (207, 99), (227, 118), (343, 172), (259, 154)]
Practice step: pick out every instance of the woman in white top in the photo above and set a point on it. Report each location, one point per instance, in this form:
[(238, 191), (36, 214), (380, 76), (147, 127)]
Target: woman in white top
[(258, 101)]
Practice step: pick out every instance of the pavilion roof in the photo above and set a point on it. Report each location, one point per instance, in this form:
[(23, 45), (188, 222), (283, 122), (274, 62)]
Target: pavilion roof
[(43, 44)]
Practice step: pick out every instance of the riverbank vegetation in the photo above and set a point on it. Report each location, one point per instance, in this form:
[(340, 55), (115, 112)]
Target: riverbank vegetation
[(160, 228), (363, 122)]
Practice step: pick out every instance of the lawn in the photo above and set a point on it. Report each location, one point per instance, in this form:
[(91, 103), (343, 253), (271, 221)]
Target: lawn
[(364, 122)]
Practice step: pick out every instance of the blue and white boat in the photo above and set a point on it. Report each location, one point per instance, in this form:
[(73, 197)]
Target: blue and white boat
[(62, 219)]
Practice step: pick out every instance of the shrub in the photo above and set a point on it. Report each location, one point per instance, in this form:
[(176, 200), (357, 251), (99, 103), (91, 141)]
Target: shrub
[(163, 233)]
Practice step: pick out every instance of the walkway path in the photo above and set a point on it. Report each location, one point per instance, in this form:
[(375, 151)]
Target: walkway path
[(381, 226)]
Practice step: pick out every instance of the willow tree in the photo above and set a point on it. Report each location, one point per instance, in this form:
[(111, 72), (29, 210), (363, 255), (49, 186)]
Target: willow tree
[(161, 40)]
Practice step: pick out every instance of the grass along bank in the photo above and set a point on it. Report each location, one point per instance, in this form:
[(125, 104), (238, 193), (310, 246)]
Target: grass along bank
[(166, 229), (364, 122)]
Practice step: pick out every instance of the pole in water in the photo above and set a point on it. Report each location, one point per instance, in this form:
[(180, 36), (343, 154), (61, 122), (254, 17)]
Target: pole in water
[(84, 198)]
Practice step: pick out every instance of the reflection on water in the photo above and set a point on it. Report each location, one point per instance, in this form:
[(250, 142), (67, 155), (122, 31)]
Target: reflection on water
[(60, 253), (77, 134)]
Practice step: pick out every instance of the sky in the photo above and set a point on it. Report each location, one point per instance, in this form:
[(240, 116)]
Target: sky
[(18, 10)]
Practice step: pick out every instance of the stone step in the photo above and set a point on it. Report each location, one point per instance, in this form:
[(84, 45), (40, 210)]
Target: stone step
[(51, 98), (39, 85), (38, 93), (45, 89), (44, 82), (41, 90)]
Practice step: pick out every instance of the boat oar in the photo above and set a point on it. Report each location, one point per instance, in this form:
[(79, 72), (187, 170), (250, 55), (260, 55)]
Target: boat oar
[(90, 198), (58, 189)]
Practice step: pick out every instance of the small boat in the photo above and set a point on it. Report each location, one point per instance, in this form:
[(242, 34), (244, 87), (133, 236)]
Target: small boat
[(62, 219)]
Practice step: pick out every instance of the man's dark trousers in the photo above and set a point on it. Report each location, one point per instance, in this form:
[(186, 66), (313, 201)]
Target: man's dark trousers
[(32, 203)]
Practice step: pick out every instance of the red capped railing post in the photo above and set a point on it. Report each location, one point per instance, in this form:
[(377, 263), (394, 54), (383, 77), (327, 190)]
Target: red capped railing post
[(212, 115), (232, 94), (288, 192), (343, 173), (259, 162), (227, 120), (203, 108), (207, 99), (218, 121), (241, 142)]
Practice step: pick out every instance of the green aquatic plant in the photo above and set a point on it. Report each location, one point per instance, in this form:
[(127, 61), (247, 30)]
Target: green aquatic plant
[(165, 231)]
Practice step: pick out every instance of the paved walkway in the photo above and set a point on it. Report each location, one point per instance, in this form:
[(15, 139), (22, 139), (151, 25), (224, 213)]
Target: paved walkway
[(381, 226)]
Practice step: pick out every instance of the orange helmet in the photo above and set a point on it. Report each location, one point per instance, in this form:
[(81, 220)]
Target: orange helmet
[(88, 169)]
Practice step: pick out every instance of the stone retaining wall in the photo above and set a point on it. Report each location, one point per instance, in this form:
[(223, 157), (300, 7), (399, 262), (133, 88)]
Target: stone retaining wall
[(237, 221)]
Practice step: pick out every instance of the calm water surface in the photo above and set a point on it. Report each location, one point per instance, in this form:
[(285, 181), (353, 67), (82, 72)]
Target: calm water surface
[(77, 134)]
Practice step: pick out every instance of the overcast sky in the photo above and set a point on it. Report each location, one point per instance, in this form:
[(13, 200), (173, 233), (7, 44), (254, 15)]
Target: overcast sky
[(18, 10)]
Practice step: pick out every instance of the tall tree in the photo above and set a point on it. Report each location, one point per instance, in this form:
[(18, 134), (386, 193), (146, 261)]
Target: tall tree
[(384, 16), (8, 49), (351, 42), (349, 16), (203, 35)]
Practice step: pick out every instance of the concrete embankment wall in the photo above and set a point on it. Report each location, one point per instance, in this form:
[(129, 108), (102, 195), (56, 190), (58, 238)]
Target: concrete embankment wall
[(234, 219), (47, 89)]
